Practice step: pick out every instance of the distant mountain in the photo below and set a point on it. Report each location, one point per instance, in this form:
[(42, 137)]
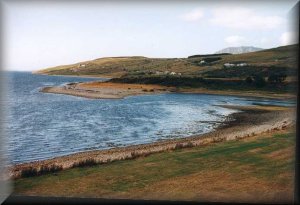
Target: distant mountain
[(238, 50)]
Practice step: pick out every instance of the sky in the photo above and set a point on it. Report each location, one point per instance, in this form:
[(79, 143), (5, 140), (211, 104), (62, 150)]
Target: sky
[(42, 34)]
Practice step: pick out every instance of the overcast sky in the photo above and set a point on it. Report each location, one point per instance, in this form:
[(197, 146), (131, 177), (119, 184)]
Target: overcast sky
[(41, 34)]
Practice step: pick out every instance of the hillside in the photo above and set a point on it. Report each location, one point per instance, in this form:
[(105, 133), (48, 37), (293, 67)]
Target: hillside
[(282, 58), (239, 50), (118, 66)]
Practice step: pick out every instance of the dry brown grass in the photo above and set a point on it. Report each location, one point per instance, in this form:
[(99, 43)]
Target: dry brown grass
[(217, 186), (282, 154)]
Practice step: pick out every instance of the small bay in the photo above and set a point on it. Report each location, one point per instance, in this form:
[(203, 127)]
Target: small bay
[(43, 125)]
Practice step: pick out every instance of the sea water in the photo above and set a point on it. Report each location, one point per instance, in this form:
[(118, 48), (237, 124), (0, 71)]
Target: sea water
[(44, 125)]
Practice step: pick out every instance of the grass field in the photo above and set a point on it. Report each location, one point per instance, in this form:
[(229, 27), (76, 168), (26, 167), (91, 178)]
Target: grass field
[(256, 169), (271, 60)]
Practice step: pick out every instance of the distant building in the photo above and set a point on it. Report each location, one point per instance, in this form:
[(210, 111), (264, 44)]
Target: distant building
[(81, 65), (228, 65), (202, 62), (242, 64)]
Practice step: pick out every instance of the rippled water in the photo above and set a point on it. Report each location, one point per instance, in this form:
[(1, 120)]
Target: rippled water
[(43, 125)]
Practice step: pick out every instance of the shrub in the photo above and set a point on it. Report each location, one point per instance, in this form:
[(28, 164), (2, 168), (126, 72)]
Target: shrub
[(146, 154), (53, 168), (179, 146), (249, 80), (85, 163), (211, 59), (209, 55), (162, 80), (217, 139), (276, 78), (259, 81), (134, 155), (189, 144), (29, 172)]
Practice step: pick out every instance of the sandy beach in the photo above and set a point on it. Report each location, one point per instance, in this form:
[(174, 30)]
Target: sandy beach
[(109, 90), (106, 90), (251, 121)]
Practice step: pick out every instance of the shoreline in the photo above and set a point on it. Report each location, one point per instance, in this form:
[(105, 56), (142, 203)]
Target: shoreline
[(106, 77), (252, 121), (108, 90), (252, 94)]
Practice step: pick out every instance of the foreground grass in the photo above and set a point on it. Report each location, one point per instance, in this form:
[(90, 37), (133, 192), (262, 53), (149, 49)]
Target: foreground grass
[(254, 169)]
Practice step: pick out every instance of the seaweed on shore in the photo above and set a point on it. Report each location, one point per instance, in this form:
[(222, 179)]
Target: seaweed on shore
[(31, 171)]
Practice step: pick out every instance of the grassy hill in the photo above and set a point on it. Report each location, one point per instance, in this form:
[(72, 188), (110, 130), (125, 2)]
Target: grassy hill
[(284, 57), (192, 70), (119, 66)]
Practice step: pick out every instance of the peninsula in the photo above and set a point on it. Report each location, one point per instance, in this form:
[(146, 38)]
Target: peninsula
[(265, 73)]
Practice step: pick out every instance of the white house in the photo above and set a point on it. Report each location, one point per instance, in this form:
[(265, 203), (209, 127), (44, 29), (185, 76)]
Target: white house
[(202, 62), (81, 65), (228, 65), (242, 64)]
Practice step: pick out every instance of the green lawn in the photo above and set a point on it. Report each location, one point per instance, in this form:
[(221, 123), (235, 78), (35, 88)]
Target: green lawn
[(265, 160)]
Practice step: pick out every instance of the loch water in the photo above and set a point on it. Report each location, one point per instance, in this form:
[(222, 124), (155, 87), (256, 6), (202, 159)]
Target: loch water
[(43, 125)]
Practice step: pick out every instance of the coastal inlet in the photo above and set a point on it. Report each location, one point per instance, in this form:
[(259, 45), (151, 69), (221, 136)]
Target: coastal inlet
[(45, 125)]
